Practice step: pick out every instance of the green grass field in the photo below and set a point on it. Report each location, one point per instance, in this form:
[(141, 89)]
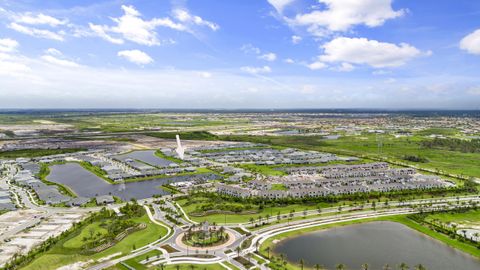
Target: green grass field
[(65, 253), (472, 216), (30, 153)]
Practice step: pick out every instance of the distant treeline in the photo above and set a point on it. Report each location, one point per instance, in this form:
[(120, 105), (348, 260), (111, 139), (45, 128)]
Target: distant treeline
[(472, 146)]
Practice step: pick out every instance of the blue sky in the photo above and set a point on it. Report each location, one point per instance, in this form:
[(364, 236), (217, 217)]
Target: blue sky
[(240, 54)]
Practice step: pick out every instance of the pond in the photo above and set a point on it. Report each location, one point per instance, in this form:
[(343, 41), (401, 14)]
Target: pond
[(375, 243), (87, 184), (146, 156)]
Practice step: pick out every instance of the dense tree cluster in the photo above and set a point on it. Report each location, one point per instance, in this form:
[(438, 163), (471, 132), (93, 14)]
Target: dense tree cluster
[(465, 146)]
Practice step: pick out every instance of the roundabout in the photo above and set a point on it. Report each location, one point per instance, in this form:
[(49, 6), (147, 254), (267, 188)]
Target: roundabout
[(205, 237)]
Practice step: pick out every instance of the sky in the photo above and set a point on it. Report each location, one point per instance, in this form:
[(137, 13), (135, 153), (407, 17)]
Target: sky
[(386, 54)]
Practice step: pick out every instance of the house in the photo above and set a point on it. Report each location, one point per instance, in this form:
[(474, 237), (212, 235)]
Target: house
[(104, 199)]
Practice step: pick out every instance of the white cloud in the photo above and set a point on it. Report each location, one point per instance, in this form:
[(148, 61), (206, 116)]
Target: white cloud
[(185, 17), (316, 65), (58, 61), (101, 32), (257, 70), (471, 42), (35, 32), (8, 45), (345, 67), (296, 39), (250, 49), (371, 52), (289, 61), (340, 16), (136, 56), (268, 57), (279, 5), (38, 19), (132, 27), (53, 51)]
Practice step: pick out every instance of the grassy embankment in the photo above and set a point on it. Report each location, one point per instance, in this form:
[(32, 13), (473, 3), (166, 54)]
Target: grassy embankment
[(66, 251)]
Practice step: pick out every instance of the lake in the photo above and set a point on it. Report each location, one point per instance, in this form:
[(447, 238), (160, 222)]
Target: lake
[(375, 243), (87, 184)]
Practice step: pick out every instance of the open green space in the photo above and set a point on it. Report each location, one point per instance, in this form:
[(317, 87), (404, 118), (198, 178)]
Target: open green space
[(471, 216), (68, 250), (30, 153)]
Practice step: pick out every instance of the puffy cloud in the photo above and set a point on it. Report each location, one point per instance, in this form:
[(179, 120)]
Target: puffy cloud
[(316, 65), (279, 5), (340, 16), (289, 61), (268, 57), (38, 19), (371, 52), (185, 17), (8, 45), (136, 56), (130, 26), (471, 42), (35, 32), (296, 39), (257, 70)]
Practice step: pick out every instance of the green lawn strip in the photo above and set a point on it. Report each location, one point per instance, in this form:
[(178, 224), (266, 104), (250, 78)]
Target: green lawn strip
[(279, 187), (96, 170), (470, 216), (60, 255), (159, 154), (215, 266), (30, 153), (77, 241), (233, 267)]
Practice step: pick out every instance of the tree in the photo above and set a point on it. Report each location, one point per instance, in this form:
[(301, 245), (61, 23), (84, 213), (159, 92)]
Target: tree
[(238, 249), (317, 266), (387, 267), (340, 266), (365, 266), (267, 249), (404, 266), (302, 263), (420, 267)]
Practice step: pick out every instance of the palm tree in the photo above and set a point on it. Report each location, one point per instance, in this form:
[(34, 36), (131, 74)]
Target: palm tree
[(317, 266), (177, 267), (365, 266), (420, 267), (267, 249), (340, 266), (404, 266), (192, 266), (302, 262), (387, 267), (238, 249)]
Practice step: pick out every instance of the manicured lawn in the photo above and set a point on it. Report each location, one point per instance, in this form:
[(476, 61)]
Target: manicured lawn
[(77, 241), (472, 216), (61, 255)]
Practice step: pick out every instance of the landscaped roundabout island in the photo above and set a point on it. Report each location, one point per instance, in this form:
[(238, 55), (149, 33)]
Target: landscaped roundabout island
[(205, 236)]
